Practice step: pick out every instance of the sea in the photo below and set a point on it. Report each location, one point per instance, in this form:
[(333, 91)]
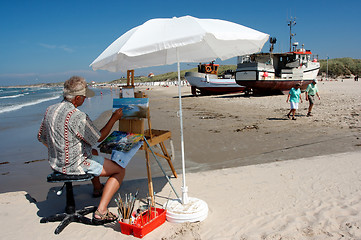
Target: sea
[(22, 110), (23, 159)]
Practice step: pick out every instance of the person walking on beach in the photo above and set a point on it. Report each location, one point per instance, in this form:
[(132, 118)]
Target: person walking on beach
[(69, 134), (294, 97), (310, 93)]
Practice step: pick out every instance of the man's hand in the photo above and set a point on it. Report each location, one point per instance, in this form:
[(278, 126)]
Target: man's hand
[(118, 114)]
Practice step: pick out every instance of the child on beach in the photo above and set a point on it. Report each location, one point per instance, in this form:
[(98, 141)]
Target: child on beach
[(294, 97)]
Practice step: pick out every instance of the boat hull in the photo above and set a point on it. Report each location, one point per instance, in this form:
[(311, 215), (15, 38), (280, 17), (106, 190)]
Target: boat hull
[(274, 85), (262, 77), (211, 84)]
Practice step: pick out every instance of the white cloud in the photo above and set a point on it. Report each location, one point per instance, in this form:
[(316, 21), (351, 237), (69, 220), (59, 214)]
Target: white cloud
[(12, 79), (62, 47)]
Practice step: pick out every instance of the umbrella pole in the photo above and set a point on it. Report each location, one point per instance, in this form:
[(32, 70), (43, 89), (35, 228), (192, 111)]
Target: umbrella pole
[(184, 187), (189, 209)]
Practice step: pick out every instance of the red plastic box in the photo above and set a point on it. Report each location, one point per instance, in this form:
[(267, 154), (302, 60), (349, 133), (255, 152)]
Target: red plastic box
[(142, 224)]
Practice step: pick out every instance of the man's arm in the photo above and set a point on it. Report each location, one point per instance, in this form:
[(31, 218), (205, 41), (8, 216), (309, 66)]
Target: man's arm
[(318, 95), (306, 92), (42, 135), (117, 114)]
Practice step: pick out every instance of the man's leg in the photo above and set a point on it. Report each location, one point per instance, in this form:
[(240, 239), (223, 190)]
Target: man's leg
[(310, 110), (116, 175), (311, 100), (96, 183), (97, 186), (289, 113)]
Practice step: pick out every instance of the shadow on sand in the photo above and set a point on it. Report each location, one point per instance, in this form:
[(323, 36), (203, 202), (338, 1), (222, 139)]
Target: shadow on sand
[(83, 197)]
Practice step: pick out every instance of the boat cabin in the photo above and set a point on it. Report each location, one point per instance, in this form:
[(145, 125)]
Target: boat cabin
[(276, 71), (209, 68), (278, 63)]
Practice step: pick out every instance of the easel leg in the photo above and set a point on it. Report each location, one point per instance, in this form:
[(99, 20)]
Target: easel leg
[(165, 152), (165, 174), (150, 182)]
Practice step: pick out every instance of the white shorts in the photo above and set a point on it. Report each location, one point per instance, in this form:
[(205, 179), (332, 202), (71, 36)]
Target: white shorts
[(294, 105), (94, 165)]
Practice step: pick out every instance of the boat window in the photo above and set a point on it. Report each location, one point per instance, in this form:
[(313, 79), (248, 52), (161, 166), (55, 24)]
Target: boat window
[(304, 58), (243, 59), (269, 62), (202, 69), (263, 59)]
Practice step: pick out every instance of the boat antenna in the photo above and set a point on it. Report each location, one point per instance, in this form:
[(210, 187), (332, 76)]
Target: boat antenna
[(291, 23), (272, 41)]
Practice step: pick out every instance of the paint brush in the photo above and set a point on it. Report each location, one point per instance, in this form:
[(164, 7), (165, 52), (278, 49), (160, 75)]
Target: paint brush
[(133, 200)]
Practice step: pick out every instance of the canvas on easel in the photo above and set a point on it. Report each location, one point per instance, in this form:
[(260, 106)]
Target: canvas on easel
[(132, 107), (128, 92)]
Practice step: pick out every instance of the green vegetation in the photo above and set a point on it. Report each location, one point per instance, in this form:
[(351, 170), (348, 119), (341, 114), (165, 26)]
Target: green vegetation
[(171, 76), (340, 67)]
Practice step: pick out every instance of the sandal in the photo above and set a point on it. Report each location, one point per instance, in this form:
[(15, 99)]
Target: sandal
[(103, 218), (98, 192)]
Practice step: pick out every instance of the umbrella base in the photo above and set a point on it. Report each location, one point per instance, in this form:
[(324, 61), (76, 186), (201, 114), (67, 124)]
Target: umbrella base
[(195, 210)]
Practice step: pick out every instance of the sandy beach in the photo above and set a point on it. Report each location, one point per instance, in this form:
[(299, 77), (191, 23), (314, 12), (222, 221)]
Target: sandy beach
[(262, 175)]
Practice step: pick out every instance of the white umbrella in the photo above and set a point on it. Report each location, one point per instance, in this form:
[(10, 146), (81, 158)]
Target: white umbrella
[(166, 41), (156, 42)]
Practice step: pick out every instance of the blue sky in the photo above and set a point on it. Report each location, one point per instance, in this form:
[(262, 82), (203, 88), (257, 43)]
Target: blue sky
[(49, 41)]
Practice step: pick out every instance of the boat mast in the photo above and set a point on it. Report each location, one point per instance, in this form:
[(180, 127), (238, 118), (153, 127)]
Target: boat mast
[(291, 23)]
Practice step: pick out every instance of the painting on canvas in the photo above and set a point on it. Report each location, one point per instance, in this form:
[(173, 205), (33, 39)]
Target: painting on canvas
[(132, 107)]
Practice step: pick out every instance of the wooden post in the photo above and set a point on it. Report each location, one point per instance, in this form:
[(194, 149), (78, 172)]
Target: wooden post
[(149, 174), (168, 158), (149, 125), (130, 78)]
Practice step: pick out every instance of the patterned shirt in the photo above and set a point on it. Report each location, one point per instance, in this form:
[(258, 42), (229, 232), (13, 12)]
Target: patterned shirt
[(69, 135)]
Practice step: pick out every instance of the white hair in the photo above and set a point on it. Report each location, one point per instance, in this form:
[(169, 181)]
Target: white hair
[(73, 86)]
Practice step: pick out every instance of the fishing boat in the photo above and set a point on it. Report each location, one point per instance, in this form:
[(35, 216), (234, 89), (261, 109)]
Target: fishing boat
[(277, 72), (206, 81)]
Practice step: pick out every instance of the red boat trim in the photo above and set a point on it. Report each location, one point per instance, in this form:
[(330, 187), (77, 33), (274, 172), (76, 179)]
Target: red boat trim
[(306, 52)]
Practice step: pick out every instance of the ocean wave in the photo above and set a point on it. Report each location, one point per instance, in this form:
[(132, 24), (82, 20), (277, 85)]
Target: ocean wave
[(17, 107), (13, 96)]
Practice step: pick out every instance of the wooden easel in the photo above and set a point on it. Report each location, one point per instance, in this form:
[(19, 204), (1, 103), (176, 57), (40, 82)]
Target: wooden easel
[(154, 137)]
